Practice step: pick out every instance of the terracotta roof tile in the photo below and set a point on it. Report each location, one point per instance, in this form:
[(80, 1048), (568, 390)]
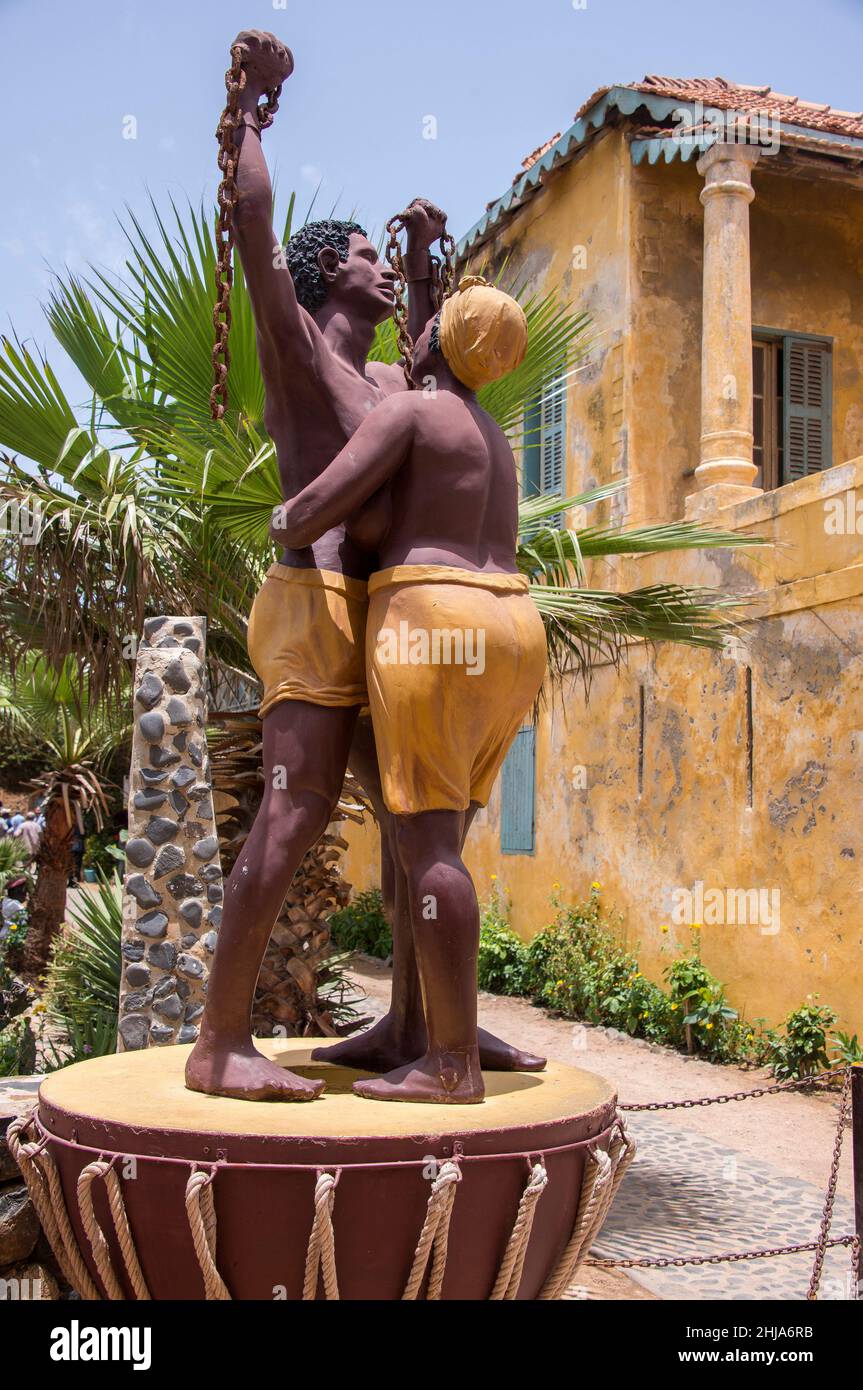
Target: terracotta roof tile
[(728, 96), (538, 152), (735, 96)]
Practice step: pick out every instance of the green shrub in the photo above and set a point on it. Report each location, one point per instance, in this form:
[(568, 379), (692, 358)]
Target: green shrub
[(503, 956), (699, 1003), (102, 852), (17, 1049), (802, 1049), (847, 1049), (362, 926), (96, 1037), (12, 942), (579, 968), (82, 982), (13, 857)]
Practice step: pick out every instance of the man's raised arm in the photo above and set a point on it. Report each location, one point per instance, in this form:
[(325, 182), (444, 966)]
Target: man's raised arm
[(279, 319), (424, 224)]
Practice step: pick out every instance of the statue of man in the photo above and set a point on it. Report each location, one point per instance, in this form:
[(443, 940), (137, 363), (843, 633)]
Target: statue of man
[(455, 647), (315, 322)]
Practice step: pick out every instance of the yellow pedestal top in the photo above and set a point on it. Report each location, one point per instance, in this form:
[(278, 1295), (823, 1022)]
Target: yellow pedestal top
[(145, 1090)]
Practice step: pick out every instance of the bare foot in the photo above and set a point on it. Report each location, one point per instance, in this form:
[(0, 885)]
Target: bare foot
[(497, 1055), (243, 1073), (381, 1048), (443, 1078)]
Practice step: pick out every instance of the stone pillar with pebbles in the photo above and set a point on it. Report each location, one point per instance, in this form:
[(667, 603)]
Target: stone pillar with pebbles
[(173, 886)]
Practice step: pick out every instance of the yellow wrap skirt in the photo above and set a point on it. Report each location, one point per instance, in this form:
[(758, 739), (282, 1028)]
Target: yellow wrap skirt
[(307, 637), (454, 661)]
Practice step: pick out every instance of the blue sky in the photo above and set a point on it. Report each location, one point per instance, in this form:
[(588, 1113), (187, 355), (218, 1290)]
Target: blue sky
[(498, 76)]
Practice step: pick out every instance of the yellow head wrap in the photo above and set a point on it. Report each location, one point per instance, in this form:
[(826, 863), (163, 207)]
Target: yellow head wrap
[(483, 332)]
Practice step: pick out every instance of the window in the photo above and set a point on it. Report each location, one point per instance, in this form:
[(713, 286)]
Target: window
[(544, 461), (518, 795), (791, 406)]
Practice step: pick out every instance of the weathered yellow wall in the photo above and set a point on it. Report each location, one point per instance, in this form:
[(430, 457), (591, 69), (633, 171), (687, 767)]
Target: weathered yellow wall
[(571, 238), (807, 273), (692, 822), (634, 411)]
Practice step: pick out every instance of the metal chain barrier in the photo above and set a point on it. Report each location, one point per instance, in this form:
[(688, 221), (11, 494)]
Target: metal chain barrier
[(824, 1241), (229, 121), (795, 1084)]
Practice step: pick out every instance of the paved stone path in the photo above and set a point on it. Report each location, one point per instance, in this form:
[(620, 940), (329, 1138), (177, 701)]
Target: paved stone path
[(685, 1194)]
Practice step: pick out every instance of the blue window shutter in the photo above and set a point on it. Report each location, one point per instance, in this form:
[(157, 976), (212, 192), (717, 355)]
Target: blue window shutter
[(518, 795), (807, 392), (553, 436), (531, 470)]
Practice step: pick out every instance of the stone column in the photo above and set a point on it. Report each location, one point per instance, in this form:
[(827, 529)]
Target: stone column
[(173, 886), (725, 471)]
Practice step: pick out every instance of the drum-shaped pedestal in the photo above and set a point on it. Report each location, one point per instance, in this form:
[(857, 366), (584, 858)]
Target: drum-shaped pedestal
[(266, 1160)]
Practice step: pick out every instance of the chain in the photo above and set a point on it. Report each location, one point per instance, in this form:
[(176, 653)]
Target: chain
[(823, 1242), (830, 1197), (400, 310), (443, 282), (230, 119), (739, 1095), (447, 244), (677, 1262)]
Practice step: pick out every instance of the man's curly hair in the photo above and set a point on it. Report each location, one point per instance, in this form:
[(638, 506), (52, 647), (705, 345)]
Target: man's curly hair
[(434, 336), (302, 257)]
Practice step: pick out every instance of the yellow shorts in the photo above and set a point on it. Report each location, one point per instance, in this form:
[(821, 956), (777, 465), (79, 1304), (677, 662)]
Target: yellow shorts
[(454, 660), (307, 637)]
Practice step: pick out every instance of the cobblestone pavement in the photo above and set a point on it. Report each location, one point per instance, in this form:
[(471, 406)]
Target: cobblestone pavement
[(685, 1194), (689, 1193)]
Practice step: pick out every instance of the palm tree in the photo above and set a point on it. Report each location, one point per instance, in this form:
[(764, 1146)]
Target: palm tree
[(77, 734), (147, 505)]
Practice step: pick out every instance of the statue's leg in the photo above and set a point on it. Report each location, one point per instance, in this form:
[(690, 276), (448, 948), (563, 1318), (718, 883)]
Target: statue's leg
[(400, 1035), (445, 918), (305, 755)]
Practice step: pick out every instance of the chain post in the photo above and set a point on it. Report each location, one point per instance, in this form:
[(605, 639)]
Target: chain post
[(857, 1142)]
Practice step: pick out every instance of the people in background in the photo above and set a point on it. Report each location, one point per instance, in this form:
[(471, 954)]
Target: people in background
[(12, 908), (29, 832)]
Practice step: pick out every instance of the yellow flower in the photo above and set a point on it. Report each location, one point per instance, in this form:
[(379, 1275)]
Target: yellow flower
[(665, 927), (696, 926), (708, 1026), (596, 886), (555, 885), (13, 926), (674, 1008), (494, 878)]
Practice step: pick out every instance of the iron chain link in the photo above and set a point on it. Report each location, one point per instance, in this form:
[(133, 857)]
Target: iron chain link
[(824, 1241), (229, 121)]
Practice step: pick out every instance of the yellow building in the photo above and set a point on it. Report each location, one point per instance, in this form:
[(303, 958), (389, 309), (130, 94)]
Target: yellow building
[(714, 233)]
